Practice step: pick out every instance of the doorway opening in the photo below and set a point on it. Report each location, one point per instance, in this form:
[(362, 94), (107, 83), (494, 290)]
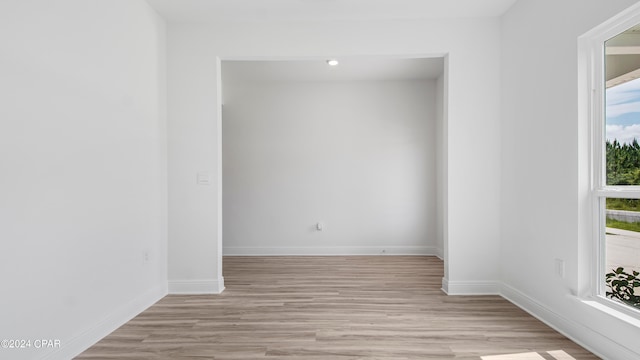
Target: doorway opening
[(319, 159)]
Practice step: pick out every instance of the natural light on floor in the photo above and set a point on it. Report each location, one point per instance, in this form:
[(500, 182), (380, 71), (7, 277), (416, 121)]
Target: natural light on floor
[(556, 354)]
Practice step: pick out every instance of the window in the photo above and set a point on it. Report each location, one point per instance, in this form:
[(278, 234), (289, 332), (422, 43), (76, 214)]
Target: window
[(615, 167)]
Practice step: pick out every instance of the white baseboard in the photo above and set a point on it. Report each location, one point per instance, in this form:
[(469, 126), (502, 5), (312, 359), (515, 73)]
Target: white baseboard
[(330, 251), (470, 287), (196, 286), (73, 347), (591, 340)]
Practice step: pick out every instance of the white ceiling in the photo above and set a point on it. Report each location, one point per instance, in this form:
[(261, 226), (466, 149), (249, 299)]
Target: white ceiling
[(349, 69), (257, 10)]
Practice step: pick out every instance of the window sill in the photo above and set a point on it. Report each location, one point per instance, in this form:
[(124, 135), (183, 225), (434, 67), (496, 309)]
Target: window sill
[(618, 311)]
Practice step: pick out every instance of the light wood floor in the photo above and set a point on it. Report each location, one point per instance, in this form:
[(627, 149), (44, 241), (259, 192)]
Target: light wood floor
[(383, 307)]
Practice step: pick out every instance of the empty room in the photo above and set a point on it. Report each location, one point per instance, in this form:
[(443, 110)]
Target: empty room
[(319, 179), (322, 159)]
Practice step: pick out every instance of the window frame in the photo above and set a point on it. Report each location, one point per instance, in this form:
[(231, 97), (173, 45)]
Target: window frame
[(593, 93)]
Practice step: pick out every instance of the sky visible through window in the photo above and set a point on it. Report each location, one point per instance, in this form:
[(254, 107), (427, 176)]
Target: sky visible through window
[(623, 112)]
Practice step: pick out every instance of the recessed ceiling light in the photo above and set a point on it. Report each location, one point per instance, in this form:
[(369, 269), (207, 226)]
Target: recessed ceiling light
[(332, 62)]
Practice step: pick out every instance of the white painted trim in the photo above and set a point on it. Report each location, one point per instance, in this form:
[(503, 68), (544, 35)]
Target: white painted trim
[(445, 285), (76, 345), (219, 287), (194, 287), (333, 250), (338, 56), (623, 191), (470, 287), (599, 344)]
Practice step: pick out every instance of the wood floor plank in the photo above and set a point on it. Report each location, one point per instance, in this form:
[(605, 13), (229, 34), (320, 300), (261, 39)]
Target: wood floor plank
[(310, 308)]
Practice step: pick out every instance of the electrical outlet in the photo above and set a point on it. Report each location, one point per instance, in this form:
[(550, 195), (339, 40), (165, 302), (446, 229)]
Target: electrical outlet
[(203, 178)]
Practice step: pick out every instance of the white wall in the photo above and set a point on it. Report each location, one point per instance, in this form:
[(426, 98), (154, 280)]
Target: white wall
[(358, 157), (473, 142), (82, 169), (540, 174)]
